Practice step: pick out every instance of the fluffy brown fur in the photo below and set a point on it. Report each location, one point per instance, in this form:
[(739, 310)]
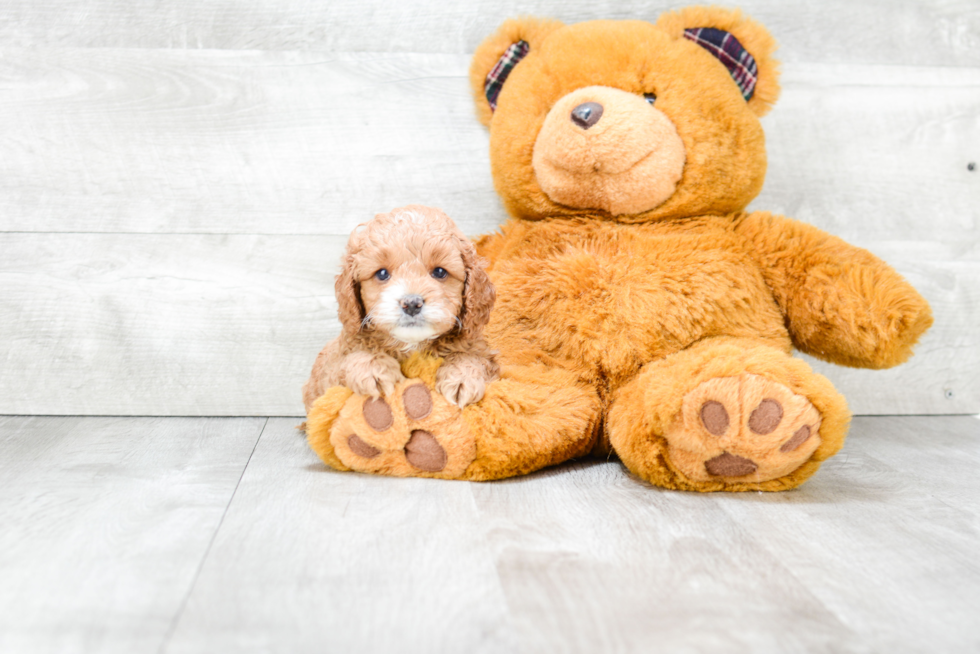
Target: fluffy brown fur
[(381, 326), (642, 311)]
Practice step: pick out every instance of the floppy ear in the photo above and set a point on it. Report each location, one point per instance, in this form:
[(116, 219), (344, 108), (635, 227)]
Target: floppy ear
[(347, 291), (478, 294), (496, 57), (742, 45)]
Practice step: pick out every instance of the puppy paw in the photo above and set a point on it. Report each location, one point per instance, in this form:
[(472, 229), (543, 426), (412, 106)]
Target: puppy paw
[(462, 392), (462, 380), (372, 374)]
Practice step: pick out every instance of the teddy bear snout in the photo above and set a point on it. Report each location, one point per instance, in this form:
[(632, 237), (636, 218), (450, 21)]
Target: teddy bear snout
[(628, 162), (587, 114)]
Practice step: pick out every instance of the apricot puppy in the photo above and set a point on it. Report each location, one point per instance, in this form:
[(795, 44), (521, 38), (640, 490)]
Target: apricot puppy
[(411, 282)]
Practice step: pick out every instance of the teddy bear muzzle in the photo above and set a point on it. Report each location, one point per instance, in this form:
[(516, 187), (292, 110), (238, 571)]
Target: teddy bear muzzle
[(607, 149)]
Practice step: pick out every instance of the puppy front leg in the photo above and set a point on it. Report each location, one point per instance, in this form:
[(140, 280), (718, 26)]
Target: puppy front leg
[(462, 378), (371, 374)]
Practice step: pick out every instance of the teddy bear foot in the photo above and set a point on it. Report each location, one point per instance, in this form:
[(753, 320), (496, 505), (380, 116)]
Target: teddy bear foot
[(727, 414), (742, 429), (414, 432), (533, 416)]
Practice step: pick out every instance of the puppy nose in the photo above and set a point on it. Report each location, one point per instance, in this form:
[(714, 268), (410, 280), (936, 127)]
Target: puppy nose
[(412, 304), (586, 115)]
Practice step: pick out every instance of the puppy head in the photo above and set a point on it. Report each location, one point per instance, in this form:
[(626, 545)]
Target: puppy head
[(412, 274)]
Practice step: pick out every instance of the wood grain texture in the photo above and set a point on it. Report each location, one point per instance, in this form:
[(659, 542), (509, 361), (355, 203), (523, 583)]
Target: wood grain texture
[(131, 324), (943, 32), (104, 524), (880, 153), (151, 197), (875, 553), (310, 143), (310, 560), (901, 571), (242, 142), (130, 535), (116, 324)]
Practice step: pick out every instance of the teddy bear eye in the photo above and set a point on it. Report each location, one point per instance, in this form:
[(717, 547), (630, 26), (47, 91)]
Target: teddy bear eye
[(382, 275), (650, 98), (439, 273)]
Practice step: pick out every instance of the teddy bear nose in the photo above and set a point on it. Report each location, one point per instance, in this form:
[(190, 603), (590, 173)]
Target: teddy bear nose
[(412, 304), (587, 114)]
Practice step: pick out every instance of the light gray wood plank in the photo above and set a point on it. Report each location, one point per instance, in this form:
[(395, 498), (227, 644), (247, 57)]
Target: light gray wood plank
[(877, 153), (873, 554), (162, 324), (873, 31), (218, 142), (594, 560), (313, 143), (229, 325), (103, 538), (865, 557), (886, 534), (310, 560), (104, 523), (242, 142)]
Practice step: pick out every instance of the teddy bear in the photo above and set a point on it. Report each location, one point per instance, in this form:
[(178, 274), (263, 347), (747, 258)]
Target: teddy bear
[(641, 312)]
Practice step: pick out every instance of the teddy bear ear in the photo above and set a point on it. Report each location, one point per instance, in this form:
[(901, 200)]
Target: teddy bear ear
[(742, 45), (497, 56)]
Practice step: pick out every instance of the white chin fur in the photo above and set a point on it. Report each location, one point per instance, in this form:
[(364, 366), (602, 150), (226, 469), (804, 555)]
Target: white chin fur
[(413, 335)]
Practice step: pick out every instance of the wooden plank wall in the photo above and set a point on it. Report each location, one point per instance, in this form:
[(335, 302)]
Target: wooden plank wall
[(177, 180)]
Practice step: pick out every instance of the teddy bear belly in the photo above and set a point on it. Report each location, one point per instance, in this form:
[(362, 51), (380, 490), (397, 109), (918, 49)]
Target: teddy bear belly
[(610, 307)]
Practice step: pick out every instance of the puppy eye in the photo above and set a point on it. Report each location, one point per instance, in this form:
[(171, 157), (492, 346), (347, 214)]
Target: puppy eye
[(382, 275), (440, 273), (650, 98)]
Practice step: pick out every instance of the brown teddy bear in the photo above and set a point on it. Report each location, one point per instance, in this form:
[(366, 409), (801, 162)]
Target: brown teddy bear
[(640, 311)]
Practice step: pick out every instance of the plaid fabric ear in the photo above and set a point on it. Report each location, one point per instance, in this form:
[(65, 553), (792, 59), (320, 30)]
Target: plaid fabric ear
[(726, 48), (497, 77)]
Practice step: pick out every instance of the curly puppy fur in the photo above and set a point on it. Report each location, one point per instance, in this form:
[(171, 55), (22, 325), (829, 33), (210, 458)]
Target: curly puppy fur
[(411, 282)]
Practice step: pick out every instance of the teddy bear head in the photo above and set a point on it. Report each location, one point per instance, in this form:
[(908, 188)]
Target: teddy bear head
[(627, 120)]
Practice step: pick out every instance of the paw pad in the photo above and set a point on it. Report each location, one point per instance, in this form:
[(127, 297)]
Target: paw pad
[(377, 414), (765, 418), (412, 431), (714, 417), (418, 401), (800, 437), (360, 448), (729, 465), (424, 452)]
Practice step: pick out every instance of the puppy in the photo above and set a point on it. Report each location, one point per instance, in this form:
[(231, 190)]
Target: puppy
[(411, 281)]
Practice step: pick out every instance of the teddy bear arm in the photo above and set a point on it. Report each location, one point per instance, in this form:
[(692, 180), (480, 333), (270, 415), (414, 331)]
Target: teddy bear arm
[(841, 303)]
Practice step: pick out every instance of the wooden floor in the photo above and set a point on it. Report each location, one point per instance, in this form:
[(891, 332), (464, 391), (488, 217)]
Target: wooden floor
[(228, 535)]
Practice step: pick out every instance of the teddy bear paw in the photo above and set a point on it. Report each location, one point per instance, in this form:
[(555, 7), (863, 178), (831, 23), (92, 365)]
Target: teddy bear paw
[(412, 432), (742, 429)]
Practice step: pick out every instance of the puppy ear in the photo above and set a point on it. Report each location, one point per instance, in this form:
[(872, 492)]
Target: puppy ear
[(347, 292), (478, 294)]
